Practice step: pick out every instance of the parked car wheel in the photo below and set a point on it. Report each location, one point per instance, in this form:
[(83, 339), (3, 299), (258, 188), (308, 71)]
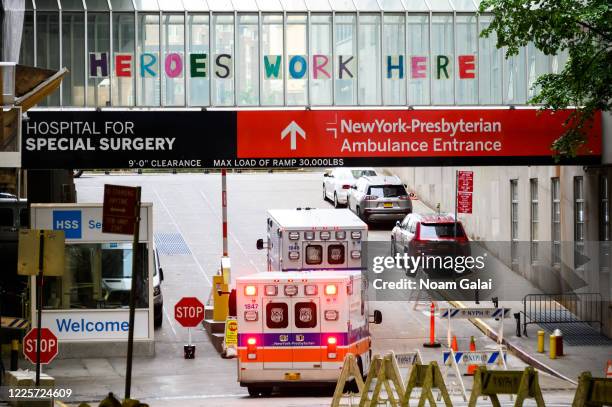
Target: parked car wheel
[(336, 203), (324, 193)]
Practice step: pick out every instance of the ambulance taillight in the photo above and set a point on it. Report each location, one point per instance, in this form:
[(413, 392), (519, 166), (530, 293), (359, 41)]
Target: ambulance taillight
[(310, 289), (271, 290), (250, 290), (356, 235), (340, 235), (252, 348), (355, 254), (325, 235), (332, 342), (331, 289)]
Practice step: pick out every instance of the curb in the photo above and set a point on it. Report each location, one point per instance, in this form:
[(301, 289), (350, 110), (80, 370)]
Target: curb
[(516, 351)]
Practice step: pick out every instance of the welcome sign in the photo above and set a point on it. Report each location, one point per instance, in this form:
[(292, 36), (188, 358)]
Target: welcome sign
[(202, 65)]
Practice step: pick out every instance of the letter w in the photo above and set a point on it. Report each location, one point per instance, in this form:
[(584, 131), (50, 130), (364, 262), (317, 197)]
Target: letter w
[(63, 325), (272, 70)]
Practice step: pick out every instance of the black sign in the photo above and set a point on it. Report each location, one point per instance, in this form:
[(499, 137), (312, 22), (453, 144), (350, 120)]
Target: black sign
[(128, 139)]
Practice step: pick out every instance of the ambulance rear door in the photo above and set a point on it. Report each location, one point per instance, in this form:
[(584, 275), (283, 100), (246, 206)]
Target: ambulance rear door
[(306, 333), (277, 328)]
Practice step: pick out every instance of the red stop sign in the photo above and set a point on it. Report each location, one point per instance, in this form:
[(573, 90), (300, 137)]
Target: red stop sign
[(48, 345), (189, 312)]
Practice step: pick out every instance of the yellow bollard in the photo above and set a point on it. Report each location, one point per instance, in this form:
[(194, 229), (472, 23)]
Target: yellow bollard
[(540, 341), (553, 347), (220, 302)]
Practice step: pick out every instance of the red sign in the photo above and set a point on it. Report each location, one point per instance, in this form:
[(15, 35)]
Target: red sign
[(465, 181), (464, 202), (189, 312), (404, 134), (119, 209), (48, 345)]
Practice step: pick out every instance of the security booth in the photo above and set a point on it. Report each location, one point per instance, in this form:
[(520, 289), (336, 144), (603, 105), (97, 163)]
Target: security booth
[(89, 305)]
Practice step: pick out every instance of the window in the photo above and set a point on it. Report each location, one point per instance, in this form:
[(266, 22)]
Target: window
[(123, 47), (442, 59), (579, 227), (272, 60), (418, 55), (305, 315), (321, 54), (533, 187), (335, 254), (314, 254), (440, 230), (277, 315), (222, 62), (47, 49), (467, 50), (199, 60), (489, 66), (73, 58), (394, 60), (148, 87), (515, 78), (6, 217), (555, 221), (345, 63), (173, 59), (247, 83), (369, 55), (539, 64), (387, 191), (514, 223), (98, 44), (604, 209), (296, 61)]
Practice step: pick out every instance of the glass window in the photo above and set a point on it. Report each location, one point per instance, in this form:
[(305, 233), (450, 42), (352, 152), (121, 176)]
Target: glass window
[(272, 63), (514, 209), (223, 66), (442, 63), (314, 254), (604, 209), (248, 60), (124, 63), (539, 64), (73, 58), (297, 59), (98, 43), (515, 77), (439, 230), (489, 67), (394, 60), (293, 5), (47, 49), (533, 186), (305, 315), (98, 276), (95, 5), (335, 254), (195, 5), (555, 221), (391, 5), (369, 55), (199, 60), (579, 222), (559, 61), (71, 5), (387, 191), (148, 88), (26, 54), (321, 59), (418, 60), (122, 5), (318, 5), (277, 315), (173, 59), (344, 59), (467, 50), (170, 5), (144, 5)]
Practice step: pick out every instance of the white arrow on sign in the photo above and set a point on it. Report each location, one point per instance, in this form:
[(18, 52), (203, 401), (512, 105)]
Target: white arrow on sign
[(293, 129)]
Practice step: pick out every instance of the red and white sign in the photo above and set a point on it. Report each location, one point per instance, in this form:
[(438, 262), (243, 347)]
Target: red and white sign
[(48, 345), (465, 189), (189, 312), (405, 133)]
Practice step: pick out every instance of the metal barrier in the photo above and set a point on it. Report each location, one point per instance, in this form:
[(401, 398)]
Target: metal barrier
[(562, 308)]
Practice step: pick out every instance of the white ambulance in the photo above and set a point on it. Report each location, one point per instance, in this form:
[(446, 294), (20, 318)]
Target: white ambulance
[(311, 239), (294, 328)]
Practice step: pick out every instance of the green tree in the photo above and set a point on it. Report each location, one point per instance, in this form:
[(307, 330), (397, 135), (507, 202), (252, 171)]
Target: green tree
[(584, 29)]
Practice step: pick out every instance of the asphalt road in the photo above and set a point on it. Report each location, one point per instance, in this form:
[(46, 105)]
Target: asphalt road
[(187, 216)]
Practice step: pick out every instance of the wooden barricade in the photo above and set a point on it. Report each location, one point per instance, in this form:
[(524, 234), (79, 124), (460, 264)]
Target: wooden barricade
[(349, 370), (427, 378), (384, 372), (524, 384), (593, 391)]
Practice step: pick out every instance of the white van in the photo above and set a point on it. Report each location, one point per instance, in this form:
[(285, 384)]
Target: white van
[(310, 239)]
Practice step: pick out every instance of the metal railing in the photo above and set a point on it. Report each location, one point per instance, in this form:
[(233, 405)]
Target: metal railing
[(562, 309)]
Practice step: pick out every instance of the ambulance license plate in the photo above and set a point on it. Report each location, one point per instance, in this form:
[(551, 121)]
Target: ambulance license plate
[(388, 204), (405, 359), (292, 376)]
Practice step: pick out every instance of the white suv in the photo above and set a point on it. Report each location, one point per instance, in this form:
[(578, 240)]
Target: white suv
[(338, 182)]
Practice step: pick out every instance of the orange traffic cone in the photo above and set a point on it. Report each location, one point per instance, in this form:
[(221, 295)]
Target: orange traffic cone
[(454, 346), (609, 370), (472, 368)]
